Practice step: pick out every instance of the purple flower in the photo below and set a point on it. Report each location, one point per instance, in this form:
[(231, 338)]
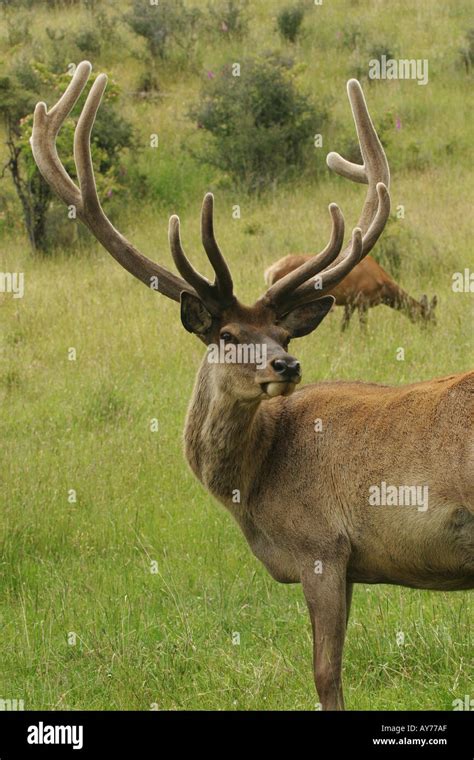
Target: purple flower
[(210, 75), (398, 123)]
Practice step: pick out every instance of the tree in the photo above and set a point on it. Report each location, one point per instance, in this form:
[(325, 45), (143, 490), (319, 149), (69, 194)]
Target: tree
[(19, 92), (34, 194)]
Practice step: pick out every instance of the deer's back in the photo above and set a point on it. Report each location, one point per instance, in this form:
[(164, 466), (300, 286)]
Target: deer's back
[(367, 282), (372, 430)]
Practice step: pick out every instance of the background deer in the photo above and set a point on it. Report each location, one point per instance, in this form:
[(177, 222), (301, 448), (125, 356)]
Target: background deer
[(366, 286), (303, 497)]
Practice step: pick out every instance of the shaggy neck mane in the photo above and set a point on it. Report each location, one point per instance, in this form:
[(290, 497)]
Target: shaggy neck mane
[(226, 439)]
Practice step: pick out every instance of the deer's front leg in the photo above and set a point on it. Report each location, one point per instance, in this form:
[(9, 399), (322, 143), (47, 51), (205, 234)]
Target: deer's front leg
[(325, 594), (363, 314), (349, 591), (348, 312)]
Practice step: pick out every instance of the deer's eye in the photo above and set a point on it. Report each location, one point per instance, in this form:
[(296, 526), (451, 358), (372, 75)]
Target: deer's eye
[(227, 337)]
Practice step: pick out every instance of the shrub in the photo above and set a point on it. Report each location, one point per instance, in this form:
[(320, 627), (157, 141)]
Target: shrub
[(107, 24), (228, 17), (59, 50), (289, 22), (147, 83), (379, 49), (363, 52), (18, 28), (162, 25), (260, 123), (88, 41), (65, 47)]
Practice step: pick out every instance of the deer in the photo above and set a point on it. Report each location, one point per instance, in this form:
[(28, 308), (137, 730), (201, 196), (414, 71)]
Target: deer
[(366, 286), (303, 499)]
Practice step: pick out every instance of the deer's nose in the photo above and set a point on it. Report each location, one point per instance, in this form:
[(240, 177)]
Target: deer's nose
[(288, 368)]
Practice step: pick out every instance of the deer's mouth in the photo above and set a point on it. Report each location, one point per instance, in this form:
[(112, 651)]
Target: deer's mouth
[(279, 388)]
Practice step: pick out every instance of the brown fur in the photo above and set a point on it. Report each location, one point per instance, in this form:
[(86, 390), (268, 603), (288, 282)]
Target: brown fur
[(302, 487), (304, 494), (366, 286)]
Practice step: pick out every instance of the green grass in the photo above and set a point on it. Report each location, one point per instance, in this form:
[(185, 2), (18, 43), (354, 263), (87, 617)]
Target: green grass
[(165, 638)]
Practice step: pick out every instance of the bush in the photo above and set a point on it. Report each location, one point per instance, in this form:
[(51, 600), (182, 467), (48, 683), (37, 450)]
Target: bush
[(60, 50), (260, 124), (289, 22), (162, 25), (379, 49), (228, 18), (147, 84), (18, 28), (88, 41), (106, 24), (66, 47)]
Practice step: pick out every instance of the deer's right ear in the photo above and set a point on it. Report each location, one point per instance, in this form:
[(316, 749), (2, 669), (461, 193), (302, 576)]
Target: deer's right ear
[(194, 315)]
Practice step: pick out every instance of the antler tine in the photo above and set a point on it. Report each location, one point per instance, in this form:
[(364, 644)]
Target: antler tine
[(346, 169), (375, 167), (82, 151), (357, 249), (223, 281), (278, 292), (311, 291), (88, 209), (374, 172), (332, 275), (46, 126), (380, 219), (201, 284)]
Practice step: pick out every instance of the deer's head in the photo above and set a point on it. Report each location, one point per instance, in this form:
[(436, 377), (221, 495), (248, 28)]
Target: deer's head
[(428, 309), (292, 307)]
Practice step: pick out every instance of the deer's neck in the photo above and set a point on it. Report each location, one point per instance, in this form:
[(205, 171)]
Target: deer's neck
[(226, 441), (412, 308)]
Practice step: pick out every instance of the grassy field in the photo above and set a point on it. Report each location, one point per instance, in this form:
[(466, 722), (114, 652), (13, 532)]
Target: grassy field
[(150, 574)]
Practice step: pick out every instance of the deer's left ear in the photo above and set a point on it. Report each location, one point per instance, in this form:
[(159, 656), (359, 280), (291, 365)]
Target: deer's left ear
[(304, 319)]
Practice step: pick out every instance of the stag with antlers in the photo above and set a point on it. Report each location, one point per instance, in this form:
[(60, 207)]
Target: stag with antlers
[(304, 496)]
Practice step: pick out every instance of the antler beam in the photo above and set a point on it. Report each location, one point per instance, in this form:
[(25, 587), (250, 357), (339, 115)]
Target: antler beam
[(332, 265), (88, 209)]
